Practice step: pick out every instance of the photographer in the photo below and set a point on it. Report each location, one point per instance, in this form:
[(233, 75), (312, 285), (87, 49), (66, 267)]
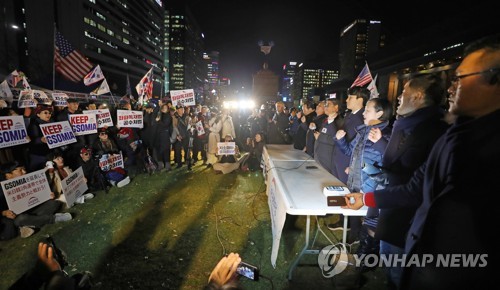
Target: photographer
[(47, 271), (224, 274)]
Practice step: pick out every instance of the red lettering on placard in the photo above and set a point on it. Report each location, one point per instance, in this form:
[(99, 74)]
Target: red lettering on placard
[(79, 119), (53, 129), (6, 124)]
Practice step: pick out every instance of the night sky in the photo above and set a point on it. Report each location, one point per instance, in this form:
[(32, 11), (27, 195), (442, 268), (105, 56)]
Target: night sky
[(307, 31)]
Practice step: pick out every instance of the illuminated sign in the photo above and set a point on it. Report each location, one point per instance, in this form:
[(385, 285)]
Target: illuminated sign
[(159, 3)]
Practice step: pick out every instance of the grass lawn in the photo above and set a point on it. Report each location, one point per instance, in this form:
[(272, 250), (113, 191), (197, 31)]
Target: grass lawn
[(168, 231)]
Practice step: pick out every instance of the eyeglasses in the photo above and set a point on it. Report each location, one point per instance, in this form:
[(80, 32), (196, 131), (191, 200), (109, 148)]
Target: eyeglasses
[(455, 79), (47, 112)]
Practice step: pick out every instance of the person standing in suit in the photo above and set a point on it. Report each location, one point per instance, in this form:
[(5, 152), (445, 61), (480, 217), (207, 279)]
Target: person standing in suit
[(455, 184)]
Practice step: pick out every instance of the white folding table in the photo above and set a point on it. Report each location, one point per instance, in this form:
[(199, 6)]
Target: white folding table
[(296, 190)]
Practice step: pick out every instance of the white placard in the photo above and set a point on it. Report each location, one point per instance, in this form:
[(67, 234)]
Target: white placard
[(73, 186), (12, 131), (58, 134), (26, 99), (131, 119), (27, 191), (83, 124), (41, 97), (60, 99), (183, 97), (226, 148), (103, 117), (110, 161)]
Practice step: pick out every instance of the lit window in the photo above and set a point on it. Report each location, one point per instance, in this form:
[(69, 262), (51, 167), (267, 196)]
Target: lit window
[(125, 60)]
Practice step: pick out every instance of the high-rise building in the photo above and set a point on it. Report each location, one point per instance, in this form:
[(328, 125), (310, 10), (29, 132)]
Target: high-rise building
[(312, 79), (212, 62), (187, 68), (122, 36), (357, 40), (288, 80)]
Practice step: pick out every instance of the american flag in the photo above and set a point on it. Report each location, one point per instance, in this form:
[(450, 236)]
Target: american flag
[(363, 78), (69, 62)]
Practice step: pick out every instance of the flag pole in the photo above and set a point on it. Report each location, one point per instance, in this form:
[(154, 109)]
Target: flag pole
[(53, 60)]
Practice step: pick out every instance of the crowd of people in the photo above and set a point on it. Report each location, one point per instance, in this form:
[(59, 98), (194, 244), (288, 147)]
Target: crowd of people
[(416, 170)]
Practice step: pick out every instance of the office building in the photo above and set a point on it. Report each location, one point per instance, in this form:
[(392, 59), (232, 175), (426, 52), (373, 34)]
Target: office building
[(187, 68), (124, 37), (357, 40)]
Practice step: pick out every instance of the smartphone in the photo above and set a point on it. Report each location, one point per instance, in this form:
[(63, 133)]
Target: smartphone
[(58, 255), (311, 167), (249, 271), (336, 201)]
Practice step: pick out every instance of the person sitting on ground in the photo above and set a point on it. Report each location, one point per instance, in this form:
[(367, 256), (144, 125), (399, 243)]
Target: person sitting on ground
[(45, 213), (56, 172), (90, 167), (104, 148), (224, 274), (229, 162), (255, 148)]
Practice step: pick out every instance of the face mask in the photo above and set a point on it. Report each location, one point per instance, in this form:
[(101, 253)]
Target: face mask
[(312, 126)]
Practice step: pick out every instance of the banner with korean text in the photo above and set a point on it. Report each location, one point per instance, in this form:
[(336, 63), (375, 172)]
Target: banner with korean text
[(60, 99), (110, 161), (83, 124), (12, 131), (74, 186), (182, 97), (226, 148), (58, 134), (278, 215), (27, 191), (132, 119), (103, 117), (26, 99)]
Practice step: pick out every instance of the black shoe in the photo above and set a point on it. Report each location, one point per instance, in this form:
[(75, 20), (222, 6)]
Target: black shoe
[(189, 168), (178, 166)]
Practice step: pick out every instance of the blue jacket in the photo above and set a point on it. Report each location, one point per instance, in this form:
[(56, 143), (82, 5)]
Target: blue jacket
[(364, 153)]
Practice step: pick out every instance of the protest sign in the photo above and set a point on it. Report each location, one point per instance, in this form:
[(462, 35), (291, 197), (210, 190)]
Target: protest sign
[(27, 191), (12, 131), (83, 124), (74, 186), (60, 99), (58, 134), (103, 117), (131, 119), (110, 161), (182, 97), (226, 148), (26, 99)]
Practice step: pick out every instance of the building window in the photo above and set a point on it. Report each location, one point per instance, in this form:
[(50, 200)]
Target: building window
[(125, 60), (101, 27), (92, 1), (126, 41), (100, 16)]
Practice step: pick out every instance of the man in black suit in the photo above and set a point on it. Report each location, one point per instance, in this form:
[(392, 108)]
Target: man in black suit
[(454, 221)]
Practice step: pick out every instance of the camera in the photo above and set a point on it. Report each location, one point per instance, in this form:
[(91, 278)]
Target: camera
[(59, 255), (249, 271)]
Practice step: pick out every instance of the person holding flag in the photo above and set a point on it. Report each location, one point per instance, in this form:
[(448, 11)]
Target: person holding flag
[(145, 87), (363, 78), (93, 76)]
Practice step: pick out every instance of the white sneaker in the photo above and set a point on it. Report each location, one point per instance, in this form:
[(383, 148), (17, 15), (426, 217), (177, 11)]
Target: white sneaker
[(80, 200), (26, 231), (62, 217), (123, 182), (88, 196)]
